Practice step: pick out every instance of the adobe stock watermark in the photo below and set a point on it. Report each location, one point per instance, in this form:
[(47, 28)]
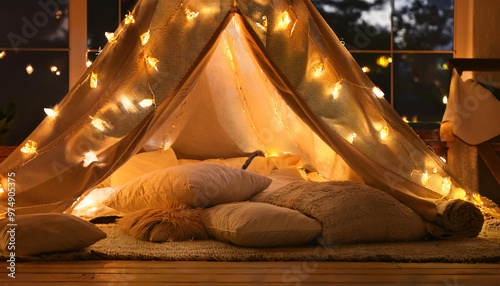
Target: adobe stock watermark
[(11, 226), (31, 27)]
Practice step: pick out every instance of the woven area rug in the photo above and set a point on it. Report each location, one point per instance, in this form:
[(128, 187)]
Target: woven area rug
[(118, 246)]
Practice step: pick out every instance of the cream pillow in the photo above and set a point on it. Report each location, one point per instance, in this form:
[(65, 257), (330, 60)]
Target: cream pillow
[(92, 205), (280, 177), (259, 225), (44, 233), (142, 164), (196, 185)]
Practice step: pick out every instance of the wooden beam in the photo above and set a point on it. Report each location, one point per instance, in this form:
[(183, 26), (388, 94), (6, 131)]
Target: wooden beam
[(490, 157)]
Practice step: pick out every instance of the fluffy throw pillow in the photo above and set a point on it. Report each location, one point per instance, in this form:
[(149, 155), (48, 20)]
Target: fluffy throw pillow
[(351, 212), (142, 164), (196, 185), (45, 233), (175, 223), (259, 225)]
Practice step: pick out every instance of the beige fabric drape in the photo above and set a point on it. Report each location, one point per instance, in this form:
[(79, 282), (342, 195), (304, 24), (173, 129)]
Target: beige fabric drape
[(289, 87)]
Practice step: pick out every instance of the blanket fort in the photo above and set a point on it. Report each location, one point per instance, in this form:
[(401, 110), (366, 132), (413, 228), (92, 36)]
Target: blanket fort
[(220, 79)]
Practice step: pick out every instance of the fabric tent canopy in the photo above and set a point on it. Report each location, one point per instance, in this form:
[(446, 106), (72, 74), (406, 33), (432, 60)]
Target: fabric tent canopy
[(219, 78)]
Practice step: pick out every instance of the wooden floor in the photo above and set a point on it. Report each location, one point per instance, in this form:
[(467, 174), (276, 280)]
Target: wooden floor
[(250, 273)]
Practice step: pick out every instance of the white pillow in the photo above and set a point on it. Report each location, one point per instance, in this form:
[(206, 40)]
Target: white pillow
[(142, 164), (44, 233), (196, 185), (259, 225), (91, 206)]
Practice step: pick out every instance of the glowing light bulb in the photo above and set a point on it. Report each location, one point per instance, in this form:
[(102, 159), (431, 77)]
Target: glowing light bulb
[(53, 69), (191, 15), (446, 185), (89, 63), (146, 102), (478, 199), (365, 69), (378, 92), (263, 24), (351, 137), (2, 54), (93, 80), (51, 113), (129, 19), (389, 60), (336, 90), (383, 61), (29, 148), (384, 133), (145, 37), (152, 62), (1, 189), (435, 170), (445, 99), (318, 69), (405, 119), (111, 37), (29, 69), (443, 159), (165, 145), (283, 21), (58, 73), (425, 178), (99, 124), (89, 158)]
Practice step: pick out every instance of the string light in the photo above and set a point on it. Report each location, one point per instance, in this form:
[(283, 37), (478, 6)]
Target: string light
[(29, 69), (351, 137), (446, 185), (384, 133), (283, 21), (111, 37), (53, 69), (405, 119), (477, 197), (1, 189), (2, 54), (383, 61), (336, 90), (129, 19), (99, 124), (445, 99), (29, 148), (93, 80), (443, 159), (191, 15), (89, 158), (365, 69), (263, 24), (425, 178), (89, 63), (318, 69), (145, 37), (146, 103), (435, 170), (58, 73), (165, 145), (293, 28), (378, 92), (51, 113), (152, 62)]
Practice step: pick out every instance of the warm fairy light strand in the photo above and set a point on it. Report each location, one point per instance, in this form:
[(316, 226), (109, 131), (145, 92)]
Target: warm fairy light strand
[(111, 37), (93, 80), (51, 113), (145, 37), (129, 19), (30, 147), (190, 14)]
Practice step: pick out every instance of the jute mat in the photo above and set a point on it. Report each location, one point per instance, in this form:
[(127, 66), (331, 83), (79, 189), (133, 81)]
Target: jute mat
[(118, 246)]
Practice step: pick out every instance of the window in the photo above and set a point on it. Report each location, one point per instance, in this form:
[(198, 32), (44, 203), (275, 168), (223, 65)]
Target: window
[(403, 46), (104, 16), (34, 64)]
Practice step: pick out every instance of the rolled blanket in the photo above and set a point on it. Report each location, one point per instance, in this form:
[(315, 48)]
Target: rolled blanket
[(456, 219)]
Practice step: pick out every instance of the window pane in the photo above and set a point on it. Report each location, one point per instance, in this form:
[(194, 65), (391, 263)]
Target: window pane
[(420, 83), (127, 7), (378, 69), (362, 24), (33, 24), (45, 87), (102, 17), (419, 26)]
